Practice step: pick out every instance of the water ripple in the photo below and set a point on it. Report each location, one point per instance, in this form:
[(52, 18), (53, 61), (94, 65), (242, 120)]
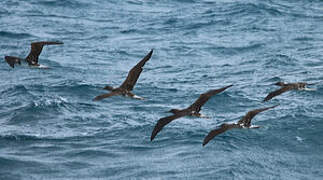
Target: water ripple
[(51, 129)]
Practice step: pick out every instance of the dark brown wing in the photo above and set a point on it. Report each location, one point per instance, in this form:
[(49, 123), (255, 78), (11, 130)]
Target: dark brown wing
[(163, 122), (196, 106), (246, 120), (106, 96), (278, 92), (215, 132), (36, 49), (134, 73), (11, 60)]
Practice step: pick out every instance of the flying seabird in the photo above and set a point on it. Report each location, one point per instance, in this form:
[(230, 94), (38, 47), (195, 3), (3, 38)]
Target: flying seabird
[(244, 122), (32, 58), (128, 85), (193, 110), (286, 87)]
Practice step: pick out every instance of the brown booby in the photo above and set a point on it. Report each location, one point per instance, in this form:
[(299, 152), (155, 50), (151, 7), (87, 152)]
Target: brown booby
[(32, 58), (193, 110), (244, 122), (128, 85), (286, 87)]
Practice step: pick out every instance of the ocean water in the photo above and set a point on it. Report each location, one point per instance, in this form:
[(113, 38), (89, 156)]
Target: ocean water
[(51, 129)]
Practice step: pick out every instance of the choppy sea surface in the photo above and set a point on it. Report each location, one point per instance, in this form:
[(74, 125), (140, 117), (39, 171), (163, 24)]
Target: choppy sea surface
[(51, 129)]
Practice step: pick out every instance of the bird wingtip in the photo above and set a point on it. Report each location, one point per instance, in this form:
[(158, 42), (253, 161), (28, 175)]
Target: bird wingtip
[(153, 134), (152, 137), (151, 52), (205, 141), (96, 99), (275, 106)]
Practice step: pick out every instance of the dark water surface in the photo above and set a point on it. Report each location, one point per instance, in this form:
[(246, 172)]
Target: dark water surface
[(50, 128)]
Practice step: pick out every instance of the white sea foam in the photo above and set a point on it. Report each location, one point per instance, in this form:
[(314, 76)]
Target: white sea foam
[(40, 66), (50, 100), (299, 139)]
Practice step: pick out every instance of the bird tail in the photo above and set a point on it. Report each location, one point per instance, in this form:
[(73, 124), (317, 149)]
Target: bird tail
[(11, 60)]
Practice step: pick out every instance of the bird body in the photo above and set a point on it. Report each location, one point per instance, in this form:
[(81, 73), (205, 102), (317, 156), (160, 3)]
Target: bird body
[(298, 86), (127, 86), (284, 88)]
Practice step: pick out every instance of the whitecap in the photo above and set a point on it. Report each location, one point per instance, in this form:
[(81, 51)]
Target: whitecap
[(299, 139), (57, 100)]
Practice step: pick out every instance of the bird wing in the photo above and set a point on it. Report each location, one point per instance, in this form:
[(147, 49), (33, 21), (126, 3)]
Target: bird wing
[(246, 120), (11, 60), (105, 96), (196, 106), (134, 73), (36, 49), (163, 122), (278, 92), (215, 132)]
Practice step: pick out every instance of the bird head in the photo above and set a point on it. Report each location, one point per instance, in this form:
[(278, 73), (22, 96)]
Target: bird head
[(109, 88), (279, 83), (223, 125), (174, 111)]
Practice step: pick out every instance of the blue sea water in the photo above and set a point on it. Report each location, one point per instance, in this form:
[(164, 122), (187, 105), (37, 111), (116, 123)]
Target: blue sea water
[(51, 129)]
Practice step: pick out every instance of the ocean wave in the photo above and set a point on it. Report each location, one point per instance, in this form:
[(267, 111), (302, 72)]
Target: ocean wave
[(47, 102), (74, 88), (13, 35), (51, 129), (280, 60), (17, 91), (25, 134), (241, 49), (243, 9), (65, 4)]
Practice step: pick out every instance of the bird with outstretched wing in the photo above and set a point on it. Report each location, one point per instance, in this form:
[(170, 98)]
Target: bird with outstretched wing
[(192, 110), (244, 122), (127, 86)]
